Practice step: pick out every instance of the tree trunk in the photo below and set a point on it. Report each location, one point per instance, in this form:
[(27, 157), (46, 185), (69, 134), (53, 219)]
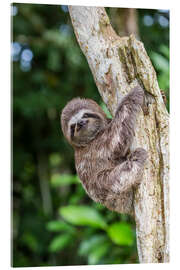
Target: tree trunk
[(118, 64)]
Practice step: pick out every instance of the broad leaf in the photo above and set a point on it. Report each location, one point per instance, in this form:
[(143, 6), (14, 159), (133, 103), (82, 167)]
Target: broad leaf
[(121, 233), (160, 62), (98, 252), (82, 215), (59, 242), (57, 225), (90, 244)]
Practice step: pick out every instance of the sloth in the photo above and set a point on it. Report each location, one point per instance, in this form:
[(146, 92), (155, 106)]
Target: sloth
[(108, 169)]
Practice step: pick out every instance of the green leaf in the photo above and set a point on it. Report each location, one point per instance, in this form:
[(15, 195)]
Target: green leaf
[(58, 180), (121, 233), (163, 80), (57, 226), (98, 252), (160, 62), (88, 245), (82, 215), (165, 50), (105, 109), (59, 242)]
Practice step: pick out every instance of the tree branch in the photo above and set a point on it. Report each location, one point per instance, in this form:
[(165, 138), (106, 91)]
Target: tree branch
[(118, 64)]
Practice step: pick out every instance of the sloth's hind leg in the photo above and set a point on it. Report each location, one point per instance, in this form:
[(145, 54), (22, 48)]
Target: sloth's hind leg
[(121, 203), (123, 178), (129, 173), (114, 188)]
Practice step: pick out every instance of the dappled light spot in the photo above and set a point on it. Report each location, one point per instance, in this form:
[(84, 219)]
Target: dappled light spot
[(148, 20), (15, 51), (163, 21), (64, 8), (14, 10)]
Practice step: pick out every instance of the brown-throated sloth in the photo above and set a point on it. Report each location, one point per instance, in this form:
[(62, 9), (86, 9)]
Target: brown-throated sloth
[(106, 168)]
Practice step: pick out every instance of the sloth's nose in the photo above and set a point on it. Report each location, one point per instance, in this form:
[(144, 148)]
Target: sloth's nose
[(81, 123)]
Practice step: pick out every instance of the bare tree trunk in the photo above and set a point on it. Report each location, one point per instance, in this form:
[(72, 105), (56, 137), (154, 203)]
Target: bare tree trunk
[(118, 64)]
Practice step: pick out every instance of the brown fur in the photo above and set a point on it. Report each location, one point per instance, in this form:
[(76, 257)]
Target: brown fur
[(107, 169)]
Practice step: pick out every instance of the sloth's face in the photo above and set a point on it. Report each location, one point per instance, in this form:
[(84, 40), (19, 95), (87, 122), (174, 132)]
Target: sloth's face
[(84, 126)]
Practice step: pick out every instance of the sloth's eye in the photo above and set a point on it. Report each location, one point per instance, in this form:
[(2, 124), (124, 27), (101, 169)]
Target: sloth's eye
[(72, 130), (91, 115), (86, 115)]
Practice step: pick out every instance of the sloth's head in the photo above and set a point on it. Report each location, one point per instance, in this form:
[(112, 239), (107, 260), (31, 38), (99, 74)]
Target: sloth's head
[(82, 120)]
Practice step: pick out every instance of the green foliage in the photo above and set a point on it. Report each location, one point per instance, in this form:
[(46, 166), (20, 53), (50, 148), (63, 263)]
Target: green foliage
[(95, 255), (54, 221), (103, 106), (59, 242), (82, 215), (88, 246), (161, 63), (58, 226), (63, 180), (157, 47), (121, 233)]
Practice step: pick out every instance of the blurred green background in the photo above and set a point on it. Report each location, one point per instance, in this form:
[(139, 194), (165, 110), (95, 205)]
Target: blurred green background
[(54, 221)]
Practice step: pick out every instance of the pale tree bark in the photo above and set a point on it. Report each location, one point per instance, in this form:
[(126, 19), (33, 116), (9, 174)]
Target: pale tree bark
[(118, 64)]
